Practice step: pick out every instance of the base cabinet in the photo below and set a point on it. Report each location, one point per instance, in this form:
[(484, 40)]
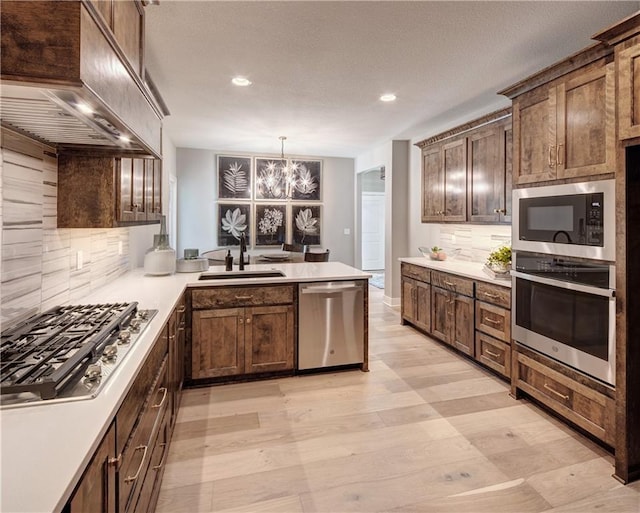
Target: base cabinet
[(96, 491), (582, 401), (241, 331), (416, 296)]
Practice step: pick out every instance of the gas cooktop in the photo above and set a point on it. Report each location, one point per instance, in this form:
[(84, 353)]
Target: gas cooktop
[(67, 353)]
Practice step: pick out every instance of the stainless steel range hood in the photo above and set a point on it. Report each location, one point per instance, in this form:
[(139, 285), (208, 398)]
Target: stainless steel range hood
[(54, 117)]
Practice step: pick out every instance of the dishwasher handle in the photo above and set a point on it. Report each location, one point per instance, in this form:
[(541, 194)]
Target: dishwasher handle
[(317, 289)]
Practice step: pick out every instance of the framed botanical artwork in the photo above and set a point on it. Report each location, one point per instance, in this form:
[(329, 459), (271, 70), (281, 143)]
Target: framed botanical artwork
[(234, 177), (306, 224), (270, 179), (270, 224), (234, 219), (307, 182)]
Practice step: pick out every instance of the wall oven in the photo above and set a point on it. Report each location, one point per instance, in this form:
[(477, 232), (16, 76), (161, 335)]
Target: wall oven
[(576, 219), (565, 309)]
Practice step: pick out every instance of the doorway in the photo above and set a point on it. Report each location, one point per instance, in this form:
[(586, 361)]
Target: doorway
[(372, 222)]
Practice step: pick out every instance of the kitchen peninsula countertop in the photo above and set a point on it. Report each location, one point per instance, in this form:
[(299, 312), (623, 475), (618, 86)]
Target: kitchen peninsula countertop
[(471, 270), (45, 448)]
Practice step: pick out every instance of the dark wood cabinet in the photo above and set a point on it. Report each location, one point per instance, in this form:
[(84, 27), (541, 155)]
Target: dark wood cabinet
[(176, 340), (416, 296), (628, 62), (493, 327), (128, 29), (564, 119), (452, 311), (489, 173), (96, 491), (105, 192), (466, 172), (242, 330)]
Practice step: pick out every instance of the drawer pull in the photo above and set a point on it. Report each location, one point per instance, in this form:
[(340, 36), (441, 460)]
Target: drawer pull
[(491, 353), (244, 298), (492, 296), (144, 448), (164, 397), (449, 284), (164, 456), (248, 320), (555, 392), (560, 155), (115, 462), (492, 321), (182, 309)]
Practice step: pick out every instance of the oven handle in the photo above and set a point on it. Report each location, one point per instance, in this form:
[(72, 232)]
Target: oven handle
[(565, 284)]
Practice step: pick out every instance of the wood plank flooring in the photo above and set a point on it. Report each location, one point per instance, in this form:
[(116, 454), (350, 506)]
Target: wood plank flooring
[(424, 431)]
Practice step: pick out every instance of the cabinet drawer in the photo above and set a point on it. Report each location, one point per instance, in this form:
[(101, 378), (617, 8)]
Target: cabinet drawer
[(130, 409), (416, 272), (493, 294), (216, 297), (137, 453), (456, 284), (591, 410), (493, 353), (493, 320)]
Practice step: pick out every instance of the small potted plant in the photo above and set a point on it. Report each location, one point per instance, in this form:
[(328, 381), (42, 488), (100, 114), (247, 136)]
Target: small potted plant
[(437, 253), (499, 260)]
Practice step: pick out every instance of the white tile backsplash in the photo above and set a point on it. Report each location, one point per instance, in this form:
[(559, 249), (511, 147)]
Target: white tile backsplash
[(39, 261), (471, 242)]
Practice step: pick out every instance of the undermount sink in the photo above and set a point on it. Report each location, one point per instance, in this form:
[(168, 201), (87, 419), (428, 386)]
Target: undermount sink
[(235, 275)]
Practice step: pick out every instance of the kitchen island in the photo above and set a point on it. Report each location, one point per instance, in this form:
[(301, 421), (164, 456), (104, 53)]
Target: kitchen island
[(45, 448)]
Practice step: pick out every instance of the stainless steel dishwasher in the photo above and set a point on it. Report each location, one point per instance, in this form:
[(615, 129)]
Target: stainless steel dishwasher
[(330, 324)]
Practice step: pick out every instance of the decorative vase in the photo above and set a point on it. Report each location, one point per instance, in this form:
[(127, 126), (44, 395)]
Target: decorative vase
[(160, 259)]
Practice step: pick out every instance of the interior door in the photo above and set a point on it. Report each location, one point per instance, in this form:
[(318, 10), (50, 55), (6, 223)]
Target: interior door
[(372, 231)]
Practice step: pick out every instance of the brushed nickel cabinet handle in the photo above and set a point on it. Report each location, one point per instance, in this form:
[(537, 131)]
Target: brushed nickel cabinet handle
[(552, 150), (492, 296), (182, 309), (164, 456), (555, 392), (492, 321), (115, 462), (248, 321), (164, 396), (448, 283), (559, 154), (244, 297), (491, 353), (144, 448)]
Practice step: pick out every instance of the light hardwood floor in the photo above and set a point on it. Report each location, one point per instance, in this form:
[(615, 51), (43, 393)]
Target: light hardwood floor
[(424, 430)]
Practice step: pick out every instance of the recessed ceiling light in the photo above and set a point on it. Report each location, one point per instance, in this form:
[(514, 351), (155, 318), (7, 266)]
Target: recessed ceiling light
[(124, 139), (241, 81), (388, 97)]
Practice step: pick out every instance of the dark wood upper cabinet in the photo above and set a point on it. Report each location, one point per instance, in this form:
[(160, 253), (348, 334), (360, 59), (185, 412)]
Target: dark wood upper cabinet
[(564, 119), (106, 192), (466, 172)]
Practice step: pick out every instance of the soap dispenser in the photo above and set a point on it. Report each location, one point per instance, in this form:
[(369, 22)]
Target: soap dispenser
[(228, 261)]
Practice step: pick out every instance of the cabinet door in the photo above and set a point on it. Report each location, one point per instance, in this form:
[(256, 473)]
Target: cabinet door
[(432, 184), (629, 92), (217, 345), (128, 19), (454, 158), (534, 136), (97, 489), (137, 191), (586, 124), (507, 159), (125, 190), (462, 329), (408, 300), (440, 314), (423, 306), (157, 188), (486, 176), (268, 338)]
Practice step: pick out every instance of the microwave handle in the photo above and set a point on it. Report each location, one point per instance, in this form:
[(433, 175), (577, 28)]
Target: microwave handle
[(565, 284)]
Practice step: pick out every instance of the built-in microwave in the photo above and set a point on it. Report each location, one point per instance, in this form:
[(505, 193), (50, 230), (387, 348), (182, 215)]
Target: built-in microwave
[(576, 219)]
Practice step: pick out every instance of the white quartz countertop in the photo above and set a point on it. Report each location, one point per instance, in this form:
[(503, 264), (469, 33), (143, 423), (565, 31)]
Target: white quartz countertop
[(45, 448), (467, 269)]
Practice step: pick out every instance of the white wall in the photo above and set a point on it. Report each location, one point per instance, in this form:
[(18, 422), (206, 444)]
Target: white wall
[(197, 194)]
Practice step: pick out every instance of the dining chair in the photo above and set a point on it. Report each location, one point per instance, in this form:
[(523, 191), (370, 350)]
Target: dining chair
[(295, 248), (311, 256)]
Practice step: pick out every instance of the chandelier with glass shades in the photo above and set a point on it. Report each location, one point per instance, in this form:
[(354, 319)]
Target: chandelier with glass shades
[(278, 179)]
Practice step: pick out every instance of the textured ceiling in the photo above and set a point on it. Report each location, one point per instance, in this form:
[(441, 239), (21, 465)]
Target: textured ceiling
[(318, 67)]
